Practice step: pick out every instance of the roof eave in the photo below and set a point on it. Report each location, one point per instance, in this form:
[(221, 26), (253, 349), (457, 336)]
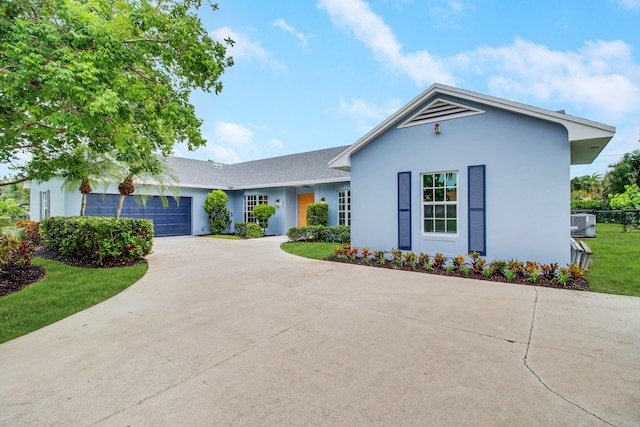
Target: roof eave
[(292, 183)]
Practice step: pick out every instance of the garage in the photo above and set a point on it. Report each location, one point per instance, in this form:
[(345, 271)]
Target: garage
[(174, 220)]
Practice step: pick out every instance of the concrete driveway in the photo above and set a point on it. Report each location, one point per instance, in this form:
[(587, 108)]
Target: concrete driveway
[(240, 333)]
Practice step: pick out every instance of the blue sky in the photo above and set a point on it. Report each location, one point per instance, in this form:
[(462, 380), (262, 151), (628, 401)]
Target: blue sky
[(313, 74), (321, 73)]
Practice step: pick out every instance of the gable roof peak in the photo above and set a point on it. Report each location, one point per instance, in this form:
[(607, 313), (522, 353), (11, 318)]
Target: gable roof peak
[(584, 134)]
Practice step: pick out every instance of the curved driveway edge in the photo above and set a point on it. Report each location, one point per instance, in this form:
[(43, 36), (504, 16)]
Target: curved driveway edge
[(241, 333)]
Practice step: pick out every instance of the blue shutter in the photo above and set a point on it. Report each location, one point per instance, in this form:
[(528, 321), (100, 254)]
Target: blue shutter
[(477, 208), (404, 210)]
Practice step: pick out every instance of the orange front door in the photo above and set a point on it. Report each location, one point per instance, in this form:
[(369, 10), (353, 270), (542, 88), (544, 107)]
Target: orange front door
[(303, 201)]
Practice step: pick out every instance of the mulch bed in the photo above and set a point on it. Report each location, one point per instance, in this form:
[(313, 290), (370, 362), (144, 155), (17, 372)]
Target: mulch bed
[(43, 252), (579, 284), (15, 278)]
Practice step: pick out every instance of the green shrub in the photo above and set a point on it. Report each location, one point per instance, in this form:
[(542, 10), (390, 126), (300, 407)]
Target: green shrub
[(320, 233), (14, 251), (248, 230), (262, 213), (598, 205), (31, 230), (317, 214), (6, 221), (215, 205), (98, 239), (630, 199)]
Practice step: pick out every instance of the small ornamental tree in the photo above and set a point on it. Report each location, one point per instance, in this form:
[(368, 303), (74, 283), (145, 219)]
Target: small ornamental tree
[(262, 213), (215, 205), (317, 214)]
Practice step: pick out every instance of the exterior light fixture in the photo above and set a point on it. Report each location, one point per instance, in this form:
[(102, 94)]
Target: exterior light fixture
[(436, 128), (322, 200), (277, 203)]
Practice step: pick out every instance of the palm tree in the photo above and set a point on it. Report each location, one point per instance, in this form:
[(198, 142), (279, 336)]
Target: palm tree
[(156, 176), (83, 168)]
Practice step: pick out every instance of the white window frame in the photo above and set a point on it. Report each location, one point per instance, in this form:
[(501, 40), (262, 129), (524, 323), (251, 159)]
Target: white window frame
[(439, 202), (45, 204), (250, 202), (344, 207)]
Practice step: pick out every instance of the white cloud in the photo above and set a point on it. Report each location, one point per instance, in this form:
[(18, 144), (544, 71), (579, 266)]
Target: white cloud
[(600, 75), (367, 115), (357, 17), (447, 13), (236, 135), (231, 143), (275, 143), (280, 23), (630, 4), (245, 48), (222, 154)]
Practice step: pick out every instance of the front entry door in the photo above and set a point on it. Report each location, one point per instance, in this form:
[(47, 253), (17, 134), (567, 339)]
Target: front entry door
[(303, 201)]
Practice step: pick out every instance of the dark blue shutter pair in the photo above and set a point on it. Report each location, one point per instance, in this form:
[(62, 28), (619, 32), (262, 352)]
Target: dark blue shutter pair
[(477, 210)]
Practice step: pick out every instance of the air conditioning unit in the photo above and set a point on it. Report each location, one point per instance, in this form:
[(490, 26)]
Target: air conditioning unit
[(583, 225)]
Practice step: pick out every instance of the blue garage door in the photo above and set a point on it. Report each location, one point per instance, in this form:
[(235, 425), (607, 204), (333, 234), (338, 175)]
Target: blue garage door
[(174, 220)]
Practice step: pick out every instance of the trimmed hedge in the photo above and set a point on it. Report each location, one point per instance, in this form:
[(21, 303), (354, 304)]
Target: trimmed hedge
[(98, 239), (598, 205), (248, 230), (317, 214), (320, 233)]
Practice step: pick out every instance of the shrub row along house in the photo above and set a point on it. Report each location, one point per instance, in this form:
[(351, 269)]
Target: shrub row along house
[(452, 171)]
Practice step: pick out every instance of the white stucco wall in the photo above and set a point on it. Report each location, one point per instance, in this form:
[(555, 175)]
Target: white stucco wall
[(527, 184)]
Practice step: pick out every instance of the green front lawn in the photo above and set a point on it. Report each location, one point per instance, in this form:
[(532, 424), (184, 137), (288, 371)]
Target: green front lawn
[(616, 260), (65, 290), (224, 236), (315, 250)]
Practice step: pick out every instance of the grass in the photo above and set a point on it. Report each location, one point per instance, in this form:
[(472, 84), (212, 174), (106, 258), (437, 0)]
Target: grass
[(224, 236), (615, 268), (65, 290), (315, 250)]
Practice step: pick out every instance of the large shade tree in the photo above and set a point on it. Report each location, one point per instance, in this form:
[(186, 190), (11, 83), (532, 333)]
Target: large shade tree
[(116, 74)]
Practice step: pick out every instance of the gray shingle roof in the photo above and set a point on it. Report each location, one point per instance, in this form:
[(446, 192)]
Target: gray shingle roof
[(293, 169)]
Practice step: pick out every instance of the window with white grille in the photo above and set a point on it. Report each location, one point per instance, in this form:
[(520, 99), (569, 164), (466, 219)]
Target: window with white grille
[(250, 202), (344, 207)]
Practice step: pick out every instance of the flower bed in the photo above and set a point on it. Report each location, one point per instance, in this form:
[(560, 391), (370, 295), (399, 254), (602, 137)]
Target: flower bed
[(471, 266)]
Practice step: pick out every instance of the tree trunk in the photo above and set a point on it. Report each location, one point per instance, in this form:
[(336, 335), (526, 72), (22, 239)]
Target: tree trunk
[(84, 204), (125, 188), (85, 188), (120, 203)]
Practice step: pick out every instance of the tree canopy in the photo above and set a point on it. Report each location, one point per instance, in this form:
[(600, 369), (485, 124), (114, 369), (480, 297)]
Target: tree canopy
[(113, 74), (623, 173)]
